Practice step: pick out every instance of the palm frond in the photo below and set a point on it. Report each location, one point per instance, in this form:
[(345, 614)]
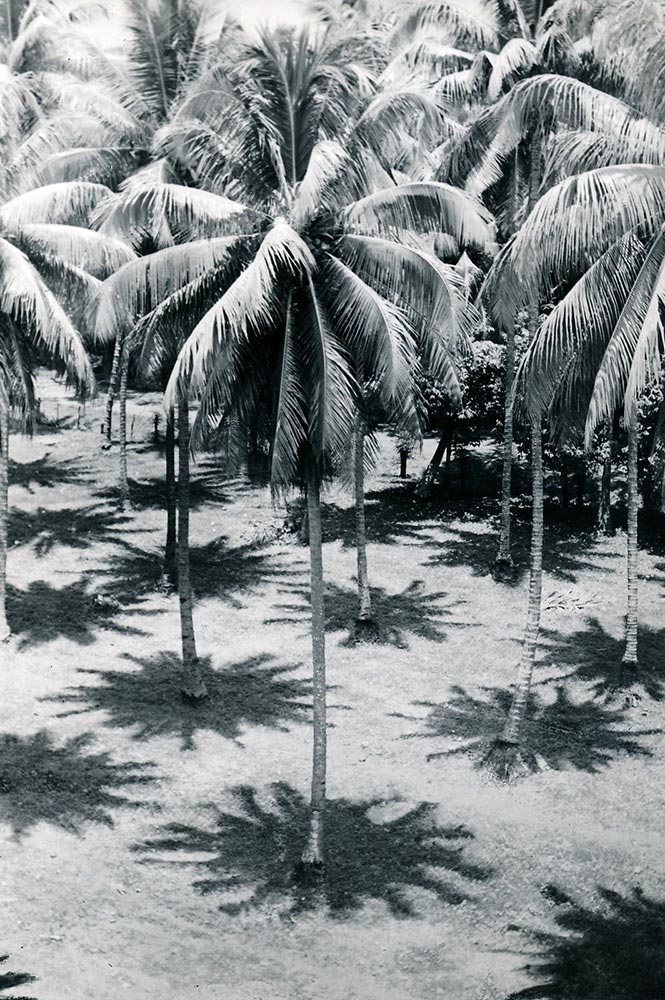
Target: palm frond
[(251, 303), (634, 345), (467, 21), (421, 207), (96, 253), (578, 329), (66, 203), (140, 285), (327, 161)]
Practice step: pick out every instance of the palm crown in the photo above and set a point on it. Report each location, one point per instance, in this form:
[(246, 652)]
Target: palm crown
[(316, 279)]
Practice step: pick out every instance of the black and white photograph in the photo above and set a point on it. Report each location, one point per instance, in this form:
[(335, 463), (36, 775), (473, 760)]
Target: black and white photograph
[(332, 499)]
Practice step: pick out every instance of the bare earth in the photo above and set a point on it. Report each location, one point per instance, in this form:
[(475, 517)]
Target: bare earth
[(147, 846)]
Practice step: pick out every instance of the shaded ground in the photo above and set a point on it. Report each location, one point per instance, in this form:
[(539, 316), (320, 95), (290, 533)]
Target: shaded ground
[(150, 849)]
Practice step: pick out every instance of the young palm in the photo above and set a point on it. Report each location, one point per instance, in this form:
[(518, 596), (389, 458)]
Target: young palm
[(319, 281)]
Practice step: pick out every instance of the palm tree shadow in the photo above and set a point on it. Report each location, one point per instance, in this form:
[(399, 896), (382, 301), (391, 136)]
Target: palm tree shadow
[(41, 782), (394, 516), (254, 692), (254, 855), (44, 472), (10, 980), (564, 553), (222, 571), (411, 612), (43, 613), (614, 952), (205, 488), (78, 527), (593, 655), (562, 734)]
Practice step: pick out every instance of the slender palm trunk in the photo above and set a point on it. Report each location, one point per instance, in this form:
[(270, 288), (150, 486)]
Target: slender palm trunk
[(113, 387), (124, 482), (313, 853), (364, 594), (4, 516), (170, 569), (605, 505), (193, 687), (513, 729), (443, 448), (504, 558), (629, 662)]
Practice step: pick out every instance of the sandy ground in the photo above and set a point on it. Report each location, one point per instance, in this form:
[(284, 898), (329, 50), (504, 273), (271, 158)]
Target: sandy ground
[(147, 846)]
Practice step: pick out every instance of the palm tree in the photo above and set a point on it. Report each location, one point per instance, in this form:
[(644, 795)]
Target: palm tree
[(43, 260), (498, 151), (314, 284)]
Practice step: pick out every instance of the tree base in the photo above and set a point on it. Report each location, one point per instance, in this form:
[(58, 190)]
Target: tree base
[(503, 569), (365, 630), (168, 584), (623, 692), (194, 696), (309, 874), (506, 761)]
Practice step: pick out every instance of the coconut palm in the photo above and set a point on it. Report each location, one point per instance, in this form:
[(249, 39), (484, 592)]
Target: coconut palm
[(45, 260), (315, 283)]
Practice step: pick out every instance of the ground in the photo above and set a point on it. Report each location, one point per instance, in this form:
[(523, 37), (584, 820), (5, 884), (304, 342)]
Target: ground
[(148, 846)]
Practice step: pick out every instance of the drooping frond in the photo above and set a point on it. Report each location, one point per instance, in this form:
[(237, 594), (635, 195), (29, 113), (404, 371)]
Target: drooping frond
[(421, 208), (377, 331), (574, 151), (475, 22), (578, 329), (313, 194), (67, 203), (98, 254), (142, 284), (634, 350), (432, 291), (290, 433), (583, 216), (328, 377), (251, 303), (186, 212), (516, 57), (35, 310)]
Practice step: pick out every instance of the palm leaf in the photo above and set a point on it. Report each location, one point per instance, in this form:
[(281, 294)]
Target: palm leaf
[(66, 203), (420, 207)]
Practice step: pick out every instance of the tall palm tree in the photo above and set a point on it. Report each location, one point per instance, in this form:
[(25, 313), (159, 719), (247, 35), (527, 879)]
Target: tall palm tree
[(45, 260), (314, 282)]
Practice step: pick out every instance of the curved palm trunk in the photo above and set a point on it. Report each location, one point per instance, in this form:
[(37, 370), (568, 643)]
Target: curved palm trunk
[(629, 662), (313, 853), (512, 733), (4, 516), (504, 558), (113, 387), (170, 570), (364, 594), (124, 482), (193, 687)]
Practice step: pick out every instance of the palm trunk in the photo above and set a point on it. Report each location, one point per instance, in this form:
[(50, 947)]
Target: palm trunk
[(4, 517), (443, 448), (113, 387), (364, 595), (629, 662), (605, 505), (403, 458), (193, 687), (313, 853), (512, 733), (124, 483), (170, 569), (504, 558)]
